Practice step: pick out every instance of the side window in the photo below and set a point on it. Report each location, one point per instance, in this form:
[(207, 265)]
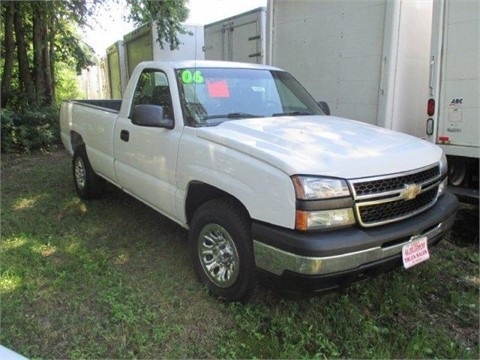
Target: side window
[(290, 101), (152, 88)]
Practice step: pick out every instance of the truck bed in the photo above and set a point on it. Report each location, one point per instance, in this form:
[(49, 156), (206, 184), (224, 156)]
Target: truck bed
[(93, 119), (104, 104)]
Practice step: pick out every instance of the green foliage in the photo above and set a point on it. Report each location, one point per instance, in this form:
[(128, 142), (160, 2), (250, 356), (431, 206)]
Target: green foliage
[(29, 129), (167, 15), (73, 51), (35, 37), (49, 30), (67, 86)]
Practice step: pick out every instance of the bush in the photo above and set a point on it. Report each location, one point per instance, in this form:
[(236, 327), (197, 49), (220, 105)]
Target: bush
[(29, 129)]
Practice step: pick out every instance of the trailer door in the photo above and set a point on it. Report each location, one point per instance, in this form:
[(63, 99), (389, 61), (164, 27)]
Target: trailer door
[(459, 100)]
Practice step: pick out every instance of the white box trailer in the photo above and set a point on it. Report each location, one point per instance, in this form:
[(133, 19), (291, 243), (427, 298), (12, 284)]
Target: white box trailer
[(103, 76), (237, 38), (368, 59), (116, 70), (92, 81), (453, 115), (141, 45)]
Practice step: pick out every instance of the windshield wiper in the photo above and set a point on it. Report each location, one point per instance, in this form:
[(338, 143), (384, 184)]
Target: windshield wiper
[(293, 113), (234, 115)]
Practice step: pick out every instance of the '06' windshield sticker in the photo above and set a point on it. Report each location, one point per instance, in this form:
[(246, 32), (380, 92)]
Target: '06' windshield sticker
[(189, 77)]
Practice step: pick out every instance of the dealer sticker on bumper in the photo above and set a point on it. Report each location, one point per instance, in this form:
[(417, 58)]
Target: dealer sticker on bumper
[(415, 252)]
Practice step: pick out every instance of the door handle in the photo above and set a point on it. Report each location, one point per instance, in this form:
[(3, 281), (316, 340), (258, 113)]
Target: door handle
[(124, 135)]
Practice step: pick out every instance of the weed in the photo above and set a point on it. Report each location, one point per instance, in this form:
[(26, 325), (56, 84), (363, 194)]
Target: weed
[(113, 279)]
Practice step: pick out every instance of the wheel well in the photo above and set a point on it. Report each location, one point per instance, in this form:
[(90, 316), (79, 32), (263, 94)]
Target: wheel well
[(199, 193), (76, 140)]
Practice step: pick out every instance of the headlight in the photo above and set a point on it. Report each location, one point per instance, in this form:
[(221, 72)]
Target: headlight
[(316, 188), (322, 203)]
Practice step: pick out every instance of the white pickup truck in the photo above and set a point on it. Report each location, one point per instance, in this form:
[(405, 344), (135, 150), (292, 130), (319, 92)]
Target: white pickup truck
[(269, 185)]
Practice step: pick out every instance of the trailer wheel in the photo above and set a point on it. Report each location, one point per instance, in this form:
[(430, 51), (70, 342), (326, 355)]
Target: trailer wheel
[(222, 249), (457, 170), (88, 184)]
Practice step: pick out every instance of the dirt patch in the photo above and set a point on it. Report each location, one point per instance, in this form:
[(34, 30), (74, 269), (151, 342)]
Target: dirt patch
[(13, 165)]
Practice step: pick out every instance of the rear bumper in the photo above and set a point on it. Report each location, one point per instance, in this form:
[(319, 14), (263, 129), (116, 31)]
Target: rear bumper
[(348, 253)]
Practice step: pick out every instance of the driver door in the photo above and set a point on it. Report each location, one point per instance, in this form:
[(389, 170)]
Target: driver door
[(146, 156)]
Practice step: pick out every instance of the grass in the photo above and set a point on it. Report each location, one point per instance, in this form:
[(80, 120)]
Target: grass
[(113, 279)]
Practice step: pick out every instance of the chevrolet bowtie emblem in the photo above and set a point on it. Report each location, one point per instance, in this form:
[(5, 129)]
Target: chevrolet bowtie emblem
[(410, 191)]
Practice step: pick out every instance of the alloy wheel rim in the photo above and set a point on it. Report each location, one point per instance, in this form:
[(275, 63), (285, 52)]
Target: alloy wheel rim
[(218, 255), (80, 173)]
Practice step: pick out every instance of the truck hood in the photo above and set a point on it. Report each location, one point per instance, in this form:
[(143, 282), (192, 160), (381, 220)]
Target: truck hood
[(323, 145)]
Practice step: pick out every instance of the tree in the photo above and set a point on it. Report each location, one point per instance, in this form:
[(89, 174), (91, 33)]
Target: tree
[(8, 52), (32, 33), (168, 15), (37, 34), (25, 77), (40, 42)]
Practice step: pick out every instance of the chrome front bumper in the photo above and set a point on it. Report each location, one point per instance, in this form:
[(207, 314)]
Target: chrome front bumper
[(277, 261)]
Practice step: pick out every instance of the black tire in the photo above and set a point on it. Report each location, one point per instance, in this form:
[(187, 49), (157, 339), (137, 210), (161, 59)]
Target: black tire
[(88, 184), (222, 249)]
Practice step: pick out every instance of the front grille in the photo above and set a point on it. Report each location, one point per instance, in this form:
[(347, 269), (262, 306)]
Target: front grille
[(395, 183), (383, 200), (395, 210)]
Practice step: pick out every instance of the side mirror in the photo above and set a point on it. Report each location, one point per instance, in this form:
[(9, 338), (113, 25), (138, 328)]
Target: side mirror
[(151, 116), (324, 106)]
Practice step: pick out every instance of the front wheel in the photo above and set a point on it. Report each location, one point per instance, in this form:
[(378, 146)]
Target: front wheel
[(88, 184), (222, 249)]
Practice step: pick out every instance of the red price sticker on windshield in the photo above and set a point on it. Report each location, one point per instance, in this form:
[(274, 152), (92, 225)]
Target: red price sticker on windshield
[(415, 252), (218, 89)]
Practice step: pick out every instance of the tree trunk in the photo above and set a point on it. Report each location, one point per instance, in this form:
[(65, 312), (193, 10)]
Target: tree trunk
[(9, 50), (26, 81), (49, 56), (39, 36)]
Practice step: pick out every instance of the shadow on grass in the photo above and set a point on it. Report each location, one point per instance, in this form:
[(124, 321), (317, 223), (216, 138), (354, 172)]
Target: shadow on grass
[(113, 279), (466, 228), (109, 278)]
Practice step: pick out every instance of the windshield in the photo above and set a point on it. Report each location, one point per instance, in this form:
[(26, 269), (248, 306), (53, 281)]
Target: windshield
[(211, 96)]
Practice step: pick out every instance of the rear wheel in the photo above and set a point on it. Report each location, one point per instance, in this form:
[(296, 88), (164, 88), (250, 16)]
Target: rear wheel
[(222, 249), (88, 184)]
